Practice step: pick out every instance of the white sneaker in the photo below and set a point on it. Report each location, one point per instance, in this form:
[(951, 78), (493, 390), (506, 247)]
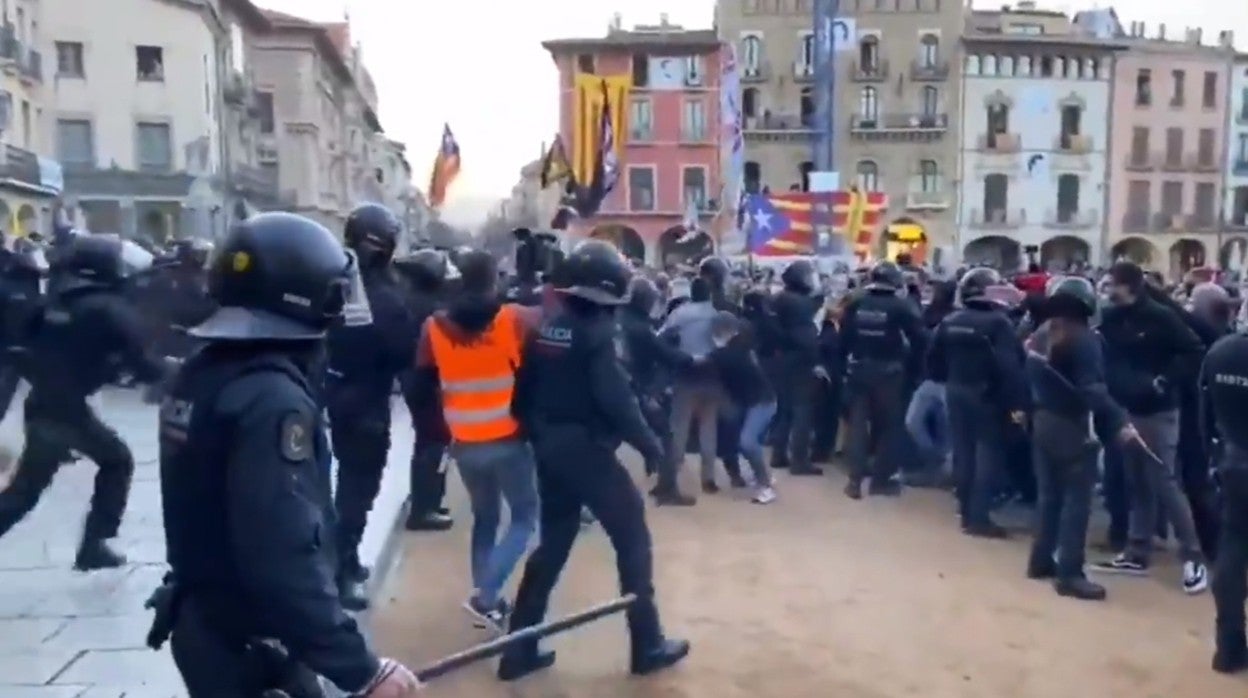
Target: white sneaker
[(765, 495), (1195, 577)]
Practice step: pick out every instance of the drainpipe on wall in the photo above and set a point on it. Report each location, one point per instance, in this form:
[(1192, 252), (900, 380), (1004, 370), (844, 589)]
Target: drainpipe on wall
[(1106, 174)]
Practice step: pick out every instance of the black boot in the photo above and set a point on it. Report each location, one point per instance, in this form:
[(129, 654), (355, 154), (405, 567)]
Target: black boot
[(522, 661), (1041, 566), (667, 653), (97, 554), (988, 529), (353, 570), (428, 521), (1080, 588), (1231, 656), (853, 489)]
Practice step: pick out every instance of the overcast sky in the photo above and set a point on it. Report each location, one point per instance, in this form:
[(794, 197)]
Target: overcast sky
[(478, 65)]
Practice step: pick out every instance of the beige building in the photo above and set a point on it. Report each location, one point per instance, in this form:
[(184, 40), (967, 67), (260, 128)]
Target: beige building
[(896, 102), (29, 179)]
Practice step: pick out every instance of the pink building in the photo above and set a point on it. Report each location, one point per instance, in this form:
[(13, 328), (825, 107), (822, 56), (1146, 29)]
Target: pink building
[(669, 159), (1167, 149)]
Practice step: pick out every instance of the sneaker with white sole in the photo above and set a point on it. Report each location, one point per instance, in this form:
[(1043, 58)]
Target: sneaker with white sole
[(487, 617), (1124, 563), (1195, 577), (764, 495)]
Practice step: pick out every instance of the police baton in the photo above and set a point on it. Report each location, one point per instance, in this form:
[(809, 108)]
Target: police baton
[(497, 646)]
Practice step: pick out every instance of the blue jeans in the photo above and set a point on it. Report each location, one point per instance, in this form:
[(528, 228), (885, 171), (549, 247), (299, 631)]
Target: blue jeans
[(492, 472), (753, 430), (928, 423)]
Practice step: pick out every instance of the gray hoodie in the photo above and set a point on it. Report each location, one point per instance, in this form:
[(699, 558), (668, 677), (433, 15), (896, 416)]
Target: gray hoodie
[(691, 323)]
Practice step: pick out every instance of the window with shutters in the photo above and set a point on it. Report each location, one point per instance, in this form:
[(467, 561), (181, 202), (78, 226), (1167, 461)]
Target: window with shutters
[(75, 143), (155, 147)]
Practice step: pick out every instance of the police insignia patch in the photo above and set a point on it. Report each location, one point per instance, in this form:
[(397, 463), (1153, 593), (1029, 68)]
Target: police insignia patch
[(296, 437)]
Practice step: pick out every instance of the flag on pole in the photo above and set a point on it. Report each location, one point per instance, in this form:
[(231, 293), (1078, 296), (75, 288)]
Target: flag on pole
[(445, 168), (555, 164), (607, 167)]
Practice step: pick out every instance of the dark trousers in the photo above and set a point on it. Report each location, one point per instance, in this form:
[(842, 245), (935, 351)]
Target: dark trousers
[(50, 432), (1065, 462), (9, 380), (794, 415), (827, 419), (1114, 491), (574, 472), (658, 419), (1231, 565), (361, 441), (977, 437), (1194, 476), (213, 667), (428, 479), (728, 436), (876, 417)]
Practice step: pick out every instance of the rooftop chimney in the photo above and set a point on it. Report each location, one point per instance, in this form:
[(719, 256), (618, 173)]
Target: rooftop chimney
[(1198, 36), (617, 22), (663, 19), (1226, 39), (1161, 32)]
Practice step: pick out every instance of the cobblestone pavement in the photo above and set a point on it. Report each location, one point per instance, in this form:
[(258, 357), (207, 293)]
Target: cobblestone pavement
[(67, 634)]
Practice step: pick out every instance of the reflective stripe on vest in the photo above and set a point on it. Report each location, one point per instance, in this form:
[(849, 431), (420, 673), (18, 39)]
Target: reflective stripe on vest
[(478, 378)]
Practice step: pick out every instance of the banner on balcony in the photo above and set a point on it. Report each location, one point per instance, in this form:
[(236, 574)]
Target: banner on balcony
[(587, 104)]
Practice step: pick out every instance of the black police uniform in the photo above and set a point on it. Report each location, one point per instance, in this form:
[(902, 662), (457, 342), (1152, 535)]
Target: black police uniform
[(793, 368), (21, 298), (574, 401), (1224, 421), (426, 272), (245, 478), (978, 356), (1066, 375), (650, 364), (365, 360), (881, 334), (86, 336)]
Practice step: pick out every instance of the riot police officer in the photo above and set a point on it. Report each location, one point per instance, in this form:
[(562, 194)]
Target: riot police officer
[(881, 336), (650, 361), (574, 400), (245, 468), (365, 359), (426, 272), (86, 335), (22, 273), (1224, 390), (794, 367), (977, 354)]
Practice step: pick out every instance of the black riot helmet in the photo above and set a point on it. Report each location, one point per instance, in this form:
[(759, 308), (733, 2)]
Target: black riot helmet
[(800, 277), (596, 272), (426, 269), (277, 276), (98, 261), (643, 295), (1071, 296), (885, 276), (372, 231), (715, 271), (975, 283)]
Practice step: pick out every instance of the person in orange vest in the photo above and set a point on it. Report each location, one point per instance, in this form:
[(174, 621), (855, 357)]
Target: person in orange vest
[(474, 345)]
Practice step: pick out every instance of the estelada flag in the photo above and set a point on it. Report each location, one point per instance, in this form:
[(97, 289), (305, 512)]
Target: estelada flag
[(555, 164), (784, 223), (445, 168)]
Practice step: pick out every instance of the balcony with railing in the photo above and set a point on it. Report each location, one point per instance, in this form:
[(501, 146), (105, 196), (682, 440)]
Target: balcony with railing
[(878, 123), (10, 47), (238, 90), (20, 165), (926, 194), (772, 122), (695, 134), (1241, 116), (1238, 220), (1200, 222), (258, 182), (803, 71), (1072, 219), (1151, 222), (998, 143), (872, 71), (1239, 167), (32, 65), (998, 218), (640, 134), (1202, 162), (1141, 161), (755, 72), (1072, 144), (1136, 221), (925, 71), (1171, 162)]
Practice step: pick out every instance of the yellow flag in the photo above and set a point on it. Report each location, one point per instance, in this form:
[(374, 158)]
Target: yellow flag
[(18, 231), (587, 118)]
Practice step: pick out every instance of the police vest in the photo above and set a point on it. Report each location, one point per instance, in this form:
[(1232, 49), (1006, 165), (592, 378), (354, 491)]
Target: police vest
[(478, 378)]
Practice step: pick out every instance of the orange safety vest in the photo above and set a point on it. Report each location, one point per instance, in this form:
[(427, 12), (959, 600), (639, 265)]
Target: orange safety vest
[(478, 378)]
